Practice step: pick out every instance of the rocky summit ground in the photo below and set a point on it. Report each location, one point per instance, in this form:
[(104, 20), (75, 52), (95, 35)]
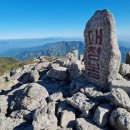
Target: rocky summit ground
[(54, 95)]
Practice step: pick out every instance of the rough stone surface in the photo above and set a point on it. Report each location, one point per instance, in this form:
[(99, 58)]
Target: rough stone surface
[(125, 85), (30, 97), (67, 118), (120, 98), (75, 69), (127, 61), (120, 119), (55, 97), (82, 124), (3, 104), (91, 92), (33, 76), (124, 69), (58, 73), (101, 115), (44, 118), (102, 55), (80, 102), (7, 123)]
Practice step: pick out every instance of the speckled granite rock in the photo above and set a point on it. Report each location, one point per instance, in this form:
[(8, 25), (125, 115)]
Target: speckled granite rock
[(102, 55)]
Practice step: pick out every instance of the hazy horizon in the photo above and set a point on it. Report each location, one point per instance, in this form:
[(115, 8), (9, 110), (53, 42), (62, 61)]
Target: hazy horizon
[(32, 19)]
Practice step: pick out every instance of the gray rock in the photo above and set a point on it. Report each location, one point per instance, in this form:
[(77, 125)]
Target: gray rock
[(80, 102), (59, 73), (30, 97), (101, 115), (3, 104), (119, 77), (41, 66), (33, 76), (75, 70), (82, 124), (102, 54), (91, 92), (86, 114), (21, 114), (125, 85), (120, 98), (120, 119), (127, 61), (59, 61), (44, 118), (55, 97), (77, 84), (124, 69), (67, 118), (7, 123)]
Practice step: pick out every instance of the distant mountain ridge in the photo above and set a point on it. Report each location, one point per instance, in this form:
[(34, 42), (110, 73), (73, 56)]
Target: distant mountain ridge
[(54, 49)]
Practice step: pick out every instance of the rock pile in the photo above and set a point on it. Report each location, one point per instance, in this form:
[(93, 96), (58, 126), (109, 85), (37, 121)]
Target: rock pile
[(56, 95)]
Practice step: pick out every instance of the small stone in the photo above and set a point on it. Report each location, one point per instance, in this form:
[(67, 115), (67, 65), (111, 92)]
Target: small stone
[(101, 115), (120, 119)]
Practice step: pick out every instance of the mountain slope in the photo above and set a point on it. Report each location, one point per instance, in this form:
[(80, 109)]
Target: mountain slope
[(54, 49)]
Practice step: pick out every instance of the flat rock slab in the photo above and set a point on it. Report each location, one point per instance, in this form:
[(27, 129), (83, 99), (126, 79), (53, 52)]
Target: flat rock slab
[(59, 73), (123, 84), (82, 124), (102, 54), (80, 102)]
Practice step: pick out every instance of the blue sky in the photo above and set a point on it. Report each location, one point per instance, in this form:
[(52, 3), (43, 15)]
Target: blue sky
[(58, 18)]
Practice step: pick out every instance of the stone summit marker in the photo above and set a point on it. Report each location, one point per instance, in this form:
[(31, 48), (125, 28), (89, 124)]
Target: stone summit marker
[(102, 54)]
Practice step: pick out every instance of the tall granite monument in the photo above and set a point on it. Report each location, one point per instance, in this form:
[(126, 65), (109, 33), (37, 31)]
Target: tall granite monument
[(102, 54)]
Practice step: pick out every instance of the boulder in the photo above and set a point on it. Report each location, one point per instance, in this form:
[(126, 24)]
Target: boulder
[(120, 119), (3, 104), (101, 115), (7, 123), (30, 97), (125, 85), (120, 98), (59, 73), (124, 69), (76, 84), (80, 102), (91, 92), (75, 70), (82, 124), (67, 118), (59, 61), (55, 97), (44, 118), (33, 76)]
